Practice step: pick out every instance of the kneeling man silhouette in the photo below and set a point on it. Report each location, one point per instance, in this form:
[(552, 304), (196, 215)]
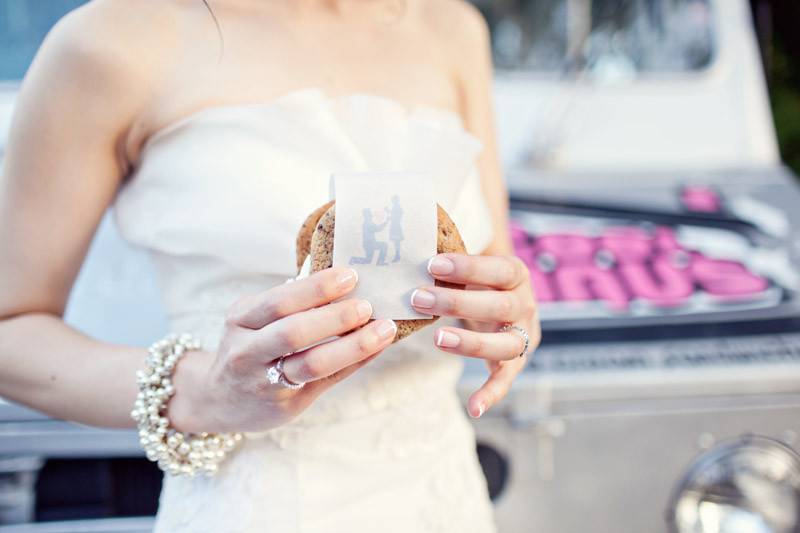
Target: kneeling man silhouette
[(371, 244)]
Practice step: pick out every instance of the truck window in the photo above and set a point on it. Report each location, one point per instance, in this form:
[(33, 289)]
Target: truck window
[(603, 36)]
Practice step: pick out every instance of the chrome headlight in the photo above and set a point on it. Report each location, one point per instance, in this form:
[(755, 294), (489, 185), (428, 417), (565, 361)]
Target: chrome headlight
[(747, 485)]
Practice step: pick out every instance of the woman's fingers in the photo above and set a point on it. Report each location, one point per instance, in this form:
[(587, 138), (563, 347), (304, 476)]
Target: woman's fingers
[(247, 350), (481, 305), (498, 271), (257, 310), (301, 330), (499, 346), (502, 372), (326, 359), (496, 386), (508, 298), (314, 389)]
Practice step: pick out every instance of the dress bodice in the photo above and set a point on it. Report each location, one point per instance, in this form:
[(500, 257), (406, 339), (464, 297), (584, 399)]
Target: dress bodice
[(219, 196)]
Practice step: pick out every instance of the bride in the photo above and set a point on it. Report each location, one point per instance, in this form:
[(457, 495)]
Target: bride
[(210, 128)]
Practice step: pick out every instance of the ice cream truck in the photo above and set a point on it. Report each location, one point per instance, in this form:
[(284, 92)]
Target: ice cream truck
[(661, 231), (660, 228)]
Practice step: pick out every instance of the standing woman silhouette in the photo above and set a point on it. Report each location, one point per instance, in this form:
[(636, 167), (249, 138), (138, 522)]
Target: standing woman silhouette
[(395, 226), (212, 138)]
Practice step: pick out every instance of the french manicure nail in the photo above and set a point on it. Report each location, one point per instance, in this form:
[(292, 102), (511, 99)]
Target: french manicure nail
[(447, 339), (422, 298), (364, 309), (440, 266), (347, 278), (480, 411), (386, 328)]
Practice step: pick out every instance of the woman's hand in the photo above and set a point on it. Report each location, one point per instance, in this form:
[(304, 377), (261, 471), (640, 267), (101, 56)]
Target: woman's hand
[(498, 291), (229, 391)]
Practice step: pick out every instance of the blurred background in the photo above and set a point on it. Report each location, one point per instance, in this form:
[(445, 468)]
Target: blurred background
[(650, 149)]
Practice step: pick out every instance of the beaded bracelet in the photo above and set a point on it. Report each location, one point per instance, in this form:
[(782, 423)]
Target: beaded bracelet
[(175, 452)]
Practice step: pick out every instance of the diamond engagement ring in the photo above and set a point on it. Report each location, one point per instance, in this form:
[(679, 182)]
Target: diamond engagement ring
[(275, 375), (508, 327)]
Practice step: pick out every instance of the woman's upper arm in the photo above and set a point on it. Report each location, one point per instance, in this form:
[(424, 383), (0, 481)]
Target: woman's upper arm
[(63, 159), (474, 73)]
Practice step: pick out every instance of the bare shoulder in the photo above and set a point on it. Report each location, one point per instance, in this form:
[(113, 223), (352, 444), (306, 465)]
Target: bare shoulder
[(116, 37), (459, 22), (464, 38), (105, 60)]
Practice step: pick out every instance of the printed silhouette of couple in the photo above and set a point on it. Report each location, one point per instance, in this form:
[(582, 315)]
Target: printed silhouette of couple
[(370, 229)]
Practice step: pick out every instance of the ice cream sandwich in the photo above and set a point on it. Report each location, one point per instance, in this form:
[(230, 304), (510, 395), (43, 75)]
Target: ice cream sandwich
[(314, 248)]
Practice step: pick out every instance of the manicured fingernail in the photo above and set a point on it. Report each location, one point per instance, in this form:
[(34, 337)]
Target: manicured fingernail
[(440, 266), (347, 278), (364, 309), (422, 298), (447, 339), (481, 409), (386, 328)]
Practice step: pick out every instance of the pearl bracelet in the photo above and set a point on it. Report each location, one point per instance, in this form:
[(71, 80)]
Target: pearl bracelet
[(175, 452)]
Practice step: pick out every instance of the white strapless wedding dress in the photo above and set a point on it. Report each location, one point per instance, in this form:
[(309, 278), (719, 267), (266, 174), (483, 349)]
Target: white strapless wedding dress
[(217, 199)]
